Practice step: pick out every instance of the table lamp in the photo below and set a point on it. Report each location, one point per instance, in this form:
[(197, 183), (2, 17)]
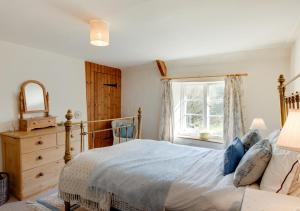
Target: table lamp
[(289, 137), (258, 124)]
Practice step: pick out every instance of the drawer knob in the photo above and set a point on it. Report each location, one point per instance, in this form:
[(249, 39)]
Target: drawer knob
[(40, 174), (34, 123), (40, 142), (40, 157), (72, 136), (72, 149)]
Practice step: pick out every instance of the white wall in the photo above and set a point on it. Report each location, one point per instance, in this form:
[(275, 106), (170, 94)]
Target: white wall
[(295, 65), (141, 88), (141, 84), (62, 76)]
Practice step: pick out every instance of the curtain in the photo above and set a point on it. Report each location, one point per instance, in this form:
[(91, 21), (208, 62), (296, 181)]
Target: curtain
[(166, 127), (234, 123)]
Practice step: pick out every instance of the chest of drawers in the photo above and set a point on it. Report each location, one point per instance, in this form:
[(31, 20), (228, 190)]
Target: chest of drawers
[(34, 159)]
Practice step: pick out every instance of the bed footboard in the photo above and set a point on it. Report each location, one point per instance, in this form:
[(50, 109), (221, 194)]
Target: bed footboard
[(68, 131)]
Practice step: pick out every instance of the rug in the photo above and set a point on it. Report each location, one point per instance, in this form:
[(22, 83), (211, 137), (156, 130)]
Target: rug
[(49, 202)]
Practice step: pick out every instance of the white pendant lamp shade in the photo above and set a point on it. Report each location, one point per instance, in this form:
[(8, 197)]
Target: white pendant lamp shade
[(99, 34)]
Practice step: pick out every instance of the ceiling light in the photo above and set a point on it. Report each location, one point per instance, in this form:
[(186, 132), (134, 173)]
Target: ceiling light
[(99, 34)]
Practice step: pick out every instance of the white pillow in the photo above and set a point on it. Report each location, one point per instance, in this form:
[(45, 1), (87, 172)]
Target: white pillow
[(278, 167), (295, 186), (272, 137)]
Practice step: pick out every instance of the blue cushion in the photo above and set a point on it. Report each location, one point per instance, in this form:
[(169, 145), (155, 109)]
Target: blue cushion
[(251, 138), (129, 131), (233, 154)]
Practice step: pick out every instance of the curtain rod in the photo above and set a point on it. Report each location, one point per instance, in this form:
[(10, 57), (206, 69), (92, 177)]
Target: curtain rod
[(203, 76)]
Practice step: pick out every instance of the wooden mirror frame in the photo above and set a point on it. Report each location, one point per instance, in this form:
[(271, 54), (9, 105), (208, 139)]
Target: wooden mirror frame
[(22, 99)]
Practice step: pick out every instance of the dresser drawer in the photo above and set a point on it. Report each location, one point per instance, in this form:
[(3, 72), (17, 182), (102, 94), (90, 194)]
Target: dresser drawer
[(42, 123), (61, 137), (41, 157), (38, 143), (40, 178)]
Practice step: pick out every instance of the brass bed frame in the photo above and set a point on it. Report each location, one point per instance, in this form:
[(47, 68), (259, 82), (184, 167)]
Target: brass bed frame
[(286, 103), (68, 128)]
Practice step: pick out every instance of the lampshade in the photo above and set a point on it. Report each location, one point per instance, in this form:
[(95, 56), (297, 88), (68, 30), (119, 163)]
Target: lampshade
[(259, 124), (289, 137), (99, 33)]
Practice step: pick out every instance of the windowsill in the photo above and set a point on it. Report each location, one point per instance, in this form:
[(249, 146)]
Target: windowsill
[(198, 143), (213, 140)]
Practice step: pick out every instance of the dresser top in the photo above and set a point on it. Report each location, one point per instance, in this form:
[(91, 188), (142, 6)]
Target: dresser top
[(33, 133)]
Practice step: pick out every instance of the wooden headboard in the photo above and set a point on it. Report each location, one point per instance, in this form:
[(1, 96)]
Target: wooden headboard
[(287, 102)]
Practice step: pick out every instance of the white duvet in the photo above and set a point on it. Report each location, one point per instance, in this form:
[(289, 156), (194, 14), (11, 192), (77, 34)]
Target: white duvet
[(202, 187)]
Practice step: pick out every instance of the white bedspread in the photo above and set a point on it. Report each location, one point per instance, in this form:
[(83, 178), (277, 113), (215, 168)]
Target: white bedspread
[(202, 187)]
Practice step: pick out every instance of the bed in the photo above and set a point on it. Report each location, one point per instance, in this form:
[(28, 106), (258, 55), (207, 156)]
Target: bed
[(198, 183), (200, 187)]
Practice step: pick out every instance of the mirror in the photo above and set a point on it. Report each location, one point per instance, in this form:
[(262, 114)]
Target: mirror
[(34, 107), (34, 97)]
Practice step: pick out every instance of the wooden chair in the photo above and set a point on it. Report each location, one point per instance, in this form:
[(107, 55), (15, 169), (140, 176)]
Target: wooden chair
[(124, 130)]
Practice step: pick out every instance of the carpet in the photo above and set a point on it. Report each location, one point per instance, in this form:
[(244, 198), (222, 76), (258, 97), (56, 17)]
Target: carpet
[(49, 202)]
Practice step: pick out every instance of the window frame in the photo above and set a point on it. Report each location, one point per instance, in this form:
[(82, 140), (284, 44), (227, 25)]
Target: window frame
[(191, 133)]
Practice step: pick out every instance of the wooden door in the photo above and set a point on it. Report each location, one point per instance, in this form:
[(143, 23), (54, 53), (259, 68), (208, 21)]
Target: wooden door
[(103, 86)]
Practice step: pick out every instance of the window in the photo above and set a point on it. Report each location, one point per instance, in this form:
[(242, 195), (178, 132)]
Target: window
[(199, 108)]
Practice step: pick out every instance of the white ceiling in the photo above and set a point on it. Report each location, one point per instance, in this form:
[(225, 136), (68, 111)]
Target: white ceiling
[(144, 30)]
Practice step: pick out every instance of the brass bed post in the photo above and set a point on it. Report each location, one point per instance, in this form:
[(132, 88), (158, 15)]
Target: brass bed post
[(293, 101), (139, 132), (68, 156), (68, 127), (281, 89), (297, 100), (81, 136)]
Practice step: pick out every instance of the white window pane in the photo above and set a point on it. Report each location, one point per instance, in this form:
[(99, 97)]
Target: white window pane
[(216, 91), (216, 98), (216, 125), (195, 122), (194, 107), (216, 108), (193, 91)]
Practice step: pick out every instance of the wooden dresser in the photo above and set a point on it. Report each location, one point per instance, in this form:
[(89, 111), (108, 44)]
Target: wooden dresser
[(34, 159)]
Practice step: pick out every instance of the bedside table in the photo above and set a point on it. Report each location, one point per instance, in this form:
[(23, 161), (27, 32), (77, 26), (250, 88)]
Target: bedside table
[(258, 200)]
